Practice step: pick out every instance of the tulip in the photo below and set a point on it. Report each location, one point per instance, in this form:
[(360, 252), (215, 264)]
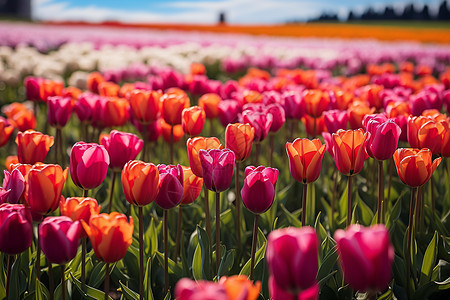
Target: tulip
[(32, 146), (44, 188), (192, 186), (194, 145), (88, 165), (239, 139), (356, 113), (370, 93), (218, 168), (294, 104), (93, 80), (188, 289), (79, 208), (15, 182), (258, 190), (228, 111), (115, 112), (173, 105), (276, 293), (85, 106), (16, 228), (445, 149), (260, 122), (140, 182), (10, 161), (32, 88), (292, 258), (108, 89), (366, 265), (335, 120), (171, 134), (425, 132), (144, 105), (23, 120), (313, 126), (71, 92), (193, 120), (110, 235), (6, 129), (59, 110), (122, 147), (316, 102), (240, 287), (59, 238), (210, 103)]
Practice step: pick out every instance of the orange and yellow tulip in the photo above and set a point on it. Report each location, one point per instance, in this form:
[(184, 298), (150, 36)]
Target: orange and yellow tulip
[(305, 159), (108, 89), (349, 150), (192, 186), (173, 104), (145, 105), (140, 182), (316, 102), (115, 112), (239, 139), (193, 120), (32, 146), (110, 235), (5, 131), (79, 208), (425, 132), (210, 103)]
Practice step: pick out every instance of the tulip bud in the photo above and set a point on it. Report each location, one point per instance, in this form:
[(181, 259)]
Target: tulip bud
[(294, 104), (305, 159), (122, 147), (277, 111), (239, 139), (188, 289), (292, 258), (217, 168), (228, 111), (59, 238), (349, 150), (173, 105), (258, 190), (335, 120), (170, 186), (384, 135), (16, 228), (193, 120), (32, 146), (316, 102), (115, 112), (140, 182), (144, 105), (88, 165), (366, 265), (240, 287)]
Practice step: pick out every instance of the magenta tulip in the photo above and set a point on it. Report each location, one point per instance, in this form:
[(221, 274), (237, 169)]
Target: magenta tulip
[(170, 186), (335, 120), (276, 293), (217, 168), (292, 258), (88, 165), (16, 228), (277, 111), (15, 182), (122, 147), (59, 110), (384, 136), (294, 104), (59, 237), (188, 289), (260, 121), (228, 111), (366, 264), (258, 191)]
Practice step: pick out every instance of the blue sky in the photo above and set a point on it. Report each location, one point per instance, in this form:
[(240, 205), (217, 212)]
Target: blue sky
[(202, 11)]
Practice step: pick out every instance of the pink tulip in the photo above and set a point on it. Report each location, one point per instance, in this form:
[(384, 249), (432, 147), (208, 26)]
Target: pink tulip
[(59, 238), (271, 97), (88, 164), (260, 121), (228, 111), (277, 111), (292, 258), (294, 104), (59, 110), (384, 136), (228, 89), (217, 168), (32, 88), (199, 85), (276, 293), (15, 182), (258, 191), (335, 120), (366, 264), (84, 107), (170, 186), (187, 289), (4, 195), (424, 100), (122, 147), (16, 228)]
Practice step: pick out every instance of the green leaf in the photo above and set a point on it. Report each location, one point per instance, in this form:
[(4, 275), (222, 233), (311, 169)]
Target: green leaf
[(97, 275), (227, 262), (328, 264), (90, 293), (151, 239), (430, 288), (41, 292), (388, 295), (394, 214), (197, 270), (429, 259), (148, 279), (262, 242), (293, 220), (14, 288), (174, 268), (365, 213), (205, 253), (128, 293)]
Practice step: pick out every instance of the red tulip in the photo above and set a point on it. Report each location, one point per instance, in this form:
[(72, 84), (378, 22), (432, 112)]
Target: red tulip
[(32, 146), (276, 293), (122, 147), (59, 238), (88, 165), (193, 120), (366, 265), (228, 111), (218, 168), (59, 110), (258, 190), (192, 186), (170, 186), (15, 182), (188, 289), (384, 136), (6, 129), (294, 104), (16, 228), (140, 182), (425, 132), (349, 150)]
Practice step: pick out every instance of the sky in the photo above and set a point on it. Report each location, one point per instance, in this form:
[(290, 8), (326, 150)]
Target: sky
[(203, 11)]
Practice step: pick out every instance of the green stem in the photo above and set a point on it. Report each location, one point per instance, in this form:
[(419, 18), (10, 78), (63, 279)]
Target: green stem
[(391, 171), (380, 191), (63, 281), (8, 274), (238, 206), (271, 143), (305, 191), (179, 224), (217, 232), (408, 244), (106, 281), (349, 201), (254, 241), (171, 144), (207, 217), (111, 191), (141, 254), (51, 288), (83, 264), (85, 193), (38, 257), (166, 254)]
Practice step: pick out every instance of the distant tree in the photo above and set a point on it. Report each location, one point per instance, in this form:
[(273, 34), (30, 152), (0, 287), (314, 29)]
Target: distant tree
[(351, 16), (444, 13), (222, 18), (389, 13), (425, 15), (408, 12)]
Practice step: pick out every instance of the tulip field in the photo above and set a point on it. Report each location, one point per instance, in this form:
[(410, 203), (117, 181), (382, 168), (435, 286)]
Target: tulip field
[(150, 164)]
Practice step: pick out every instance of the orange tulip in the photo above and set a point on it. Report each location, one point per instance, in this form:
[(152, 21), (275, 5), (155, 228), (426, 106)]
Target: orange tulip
[(71, 92), (144, 105), (316, 102), (20, 116), (239, 139), (110, 235), (126, 89), (309, 125), (10, 161), (356, 113), (210, 103), (5, 131), (44, 186), (50, 88), (348, 149), (192, 186), (250, 96), (115, 112), (32, 146), (305, 159), (197, 69), (173, 103), (240, 287), (193, 120), (370, 94), (343, 99), (178, 132), (445, 148), (93, 80), (108, 89), (415, 166), (24, 169), (424, 132), (79, 208), (194, 145), (140, 182)]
